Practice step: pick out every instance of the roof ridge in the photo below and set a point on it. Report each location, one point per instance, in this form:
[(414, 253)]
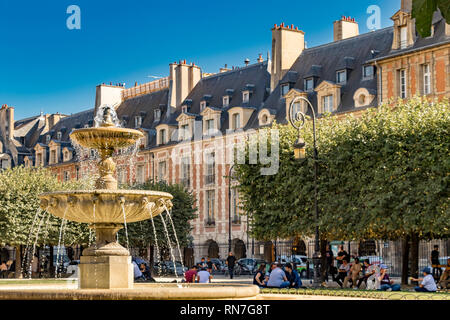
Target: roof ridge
[(235, 70)]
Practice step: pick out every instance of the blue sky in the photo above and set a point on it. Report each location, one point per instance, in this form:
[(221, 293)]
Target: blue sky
[(45, 66)]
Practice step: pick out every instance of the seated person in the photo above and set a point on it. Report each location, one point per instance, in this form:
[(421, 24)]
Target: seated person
[(203, 276), (353, 274), (137, 272), (386, 284), (146, 272), (444, 280), (370, 275), (258, 278), (428, 284), (277, 278), (191, 275), (292, 276), (343, 271)]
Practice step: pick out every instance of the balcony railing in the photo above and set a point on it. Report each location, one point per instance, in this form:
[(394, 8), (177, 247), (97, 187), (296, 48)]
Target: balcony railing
[(145, 88)]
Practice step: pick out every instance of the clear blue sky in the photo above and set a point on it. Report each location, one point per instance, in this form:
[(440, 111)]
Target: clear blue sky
[(45, 66)]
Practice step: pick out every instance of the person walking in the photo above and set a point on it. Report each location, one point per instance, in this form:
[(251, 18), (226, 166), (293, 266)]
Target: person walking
[(428, 284), (231, 261), (330, 260), (437, 271)]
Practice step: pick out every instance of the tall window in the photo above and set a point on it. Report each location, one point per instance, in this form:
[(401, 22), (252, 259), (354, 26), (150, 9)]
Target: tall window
[(210, 207), (140, 178), (53, 156), (209, 125), (236, 121), (39, 160), (210, 168), (122, 175), (403, 37), (162, 136), (137, 121), (402, 83), (66, 175), (327, 104), (186, 172), (162, 171), (426, 79), (184, 132), (235, 205)]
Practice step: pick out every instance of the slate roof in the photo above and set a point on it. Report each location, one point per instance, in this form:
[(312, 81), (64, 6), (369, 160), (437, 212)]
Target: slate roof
[(323, 62), (66, 125)]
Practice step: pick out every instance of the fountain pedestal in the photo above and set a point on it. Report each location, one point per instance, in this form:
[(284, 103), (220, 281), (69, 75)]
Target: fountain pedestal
[(106, 264)]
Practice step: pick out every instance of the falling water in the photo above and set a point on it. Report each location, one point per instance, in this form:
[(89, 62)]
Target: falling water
[(125, 224), (45, 239), (27, 249), (170, 246), (158, 253), (59, 241), (175, 233), (35, 241)]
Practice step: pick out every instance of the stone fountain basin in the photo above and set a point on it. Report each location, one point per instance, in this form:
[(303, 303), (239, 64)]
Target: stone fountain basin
[(79, 205), (106, 137)]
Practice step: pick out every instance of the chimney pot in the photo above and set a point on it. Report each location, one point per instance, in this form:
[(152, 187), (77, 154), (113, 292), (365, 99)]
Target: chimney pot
[(292, 26)]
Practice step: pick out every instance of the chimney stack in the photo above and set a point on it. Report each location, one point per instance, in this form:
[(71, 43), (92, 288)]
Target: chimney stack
[(406, 5), (345, 28), (260, 58)]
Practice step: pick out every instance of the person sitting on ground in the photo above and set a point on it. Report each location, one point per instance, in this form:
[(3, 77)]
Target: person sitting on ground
[(444, 280), (386, 284), (343, 271), (277, 278), (353, 275), (203, 276), (146, 272), (369, 277), (137, 272), (258, 278), (428, 284), (191, 274), (292, 276), (3, 270)]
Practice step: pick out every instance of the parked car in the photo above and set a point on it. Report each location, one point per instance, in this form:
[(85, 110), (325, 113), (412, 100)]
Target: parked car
[(180, 270), (247, 265), (302, 262), (219, 265)]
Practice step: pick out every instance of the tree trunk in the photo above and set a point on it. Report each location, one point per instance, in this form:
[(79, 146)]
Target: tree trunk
[(18, 269), (405, 260), (415, 255)]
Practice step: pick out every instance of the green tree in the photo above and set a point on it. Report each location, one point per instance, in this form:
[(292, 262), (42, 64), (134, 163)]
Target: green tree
[(141, 234), (382, 176), (423, 10)]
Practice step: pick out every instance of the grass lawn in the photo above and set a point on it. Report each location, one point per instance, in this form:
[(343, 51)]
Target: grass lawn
[(397, 295)]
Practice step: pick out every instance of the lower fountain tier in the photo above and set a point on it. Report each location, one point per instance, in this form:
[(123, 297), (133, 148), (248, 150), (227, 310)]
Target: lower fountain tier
[(106, 206)]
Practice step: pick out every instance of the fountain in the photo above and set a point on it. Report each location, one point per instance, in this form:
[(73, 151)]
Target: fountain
[(105, 269)]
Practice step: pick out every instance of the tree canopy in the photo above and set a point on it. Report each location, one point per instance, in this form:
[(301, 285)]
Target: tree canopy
[(20, 212), (423, 10), (381, 176), (141, 233)]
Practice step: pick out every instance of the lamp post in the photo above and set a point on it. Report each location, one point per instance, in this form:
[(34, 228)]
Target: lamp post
[(300, 153), (229, 208)]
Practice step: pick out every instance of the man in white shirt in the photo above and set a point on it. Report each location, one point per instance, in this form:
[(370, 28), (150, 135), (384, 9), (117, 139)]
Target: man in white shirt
[(203, 276), (428, 284)]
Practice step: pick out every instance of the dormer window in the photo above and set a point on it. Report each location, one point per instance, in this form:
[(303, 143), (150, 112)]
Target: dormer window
[(137, 121), (162, 136), (184, 132), (368, 72), (157, 115), (47, 139), (403, 37), (327, 103), (245, 97), (236, 121), (225, 101), (59, 135), (209, 125), (341, 77), (202, 105), (284, 89), (184, 109), (309, 84)]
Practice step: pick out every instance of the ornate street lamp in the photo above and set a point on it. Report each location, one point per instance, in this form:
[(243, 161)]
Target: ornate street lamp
[(229, 208), (298, 121)]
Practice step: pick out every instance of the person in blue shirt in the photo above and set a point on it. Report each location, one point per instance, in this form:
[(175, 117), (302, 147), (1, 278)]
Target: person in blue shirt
[(277, 278), (292, 276), (428, 284)]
